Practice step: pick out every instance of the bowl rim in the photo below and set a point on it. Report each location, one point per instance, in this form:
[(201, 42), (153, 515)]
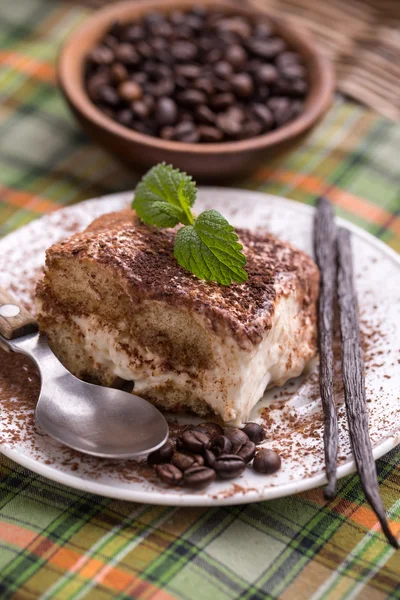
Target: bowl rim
[(79, 100)]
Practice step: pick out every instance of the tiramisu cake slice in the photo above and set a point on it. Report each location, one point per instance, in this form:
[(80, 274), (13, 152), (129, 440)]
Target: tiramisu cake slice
[(115, 303)]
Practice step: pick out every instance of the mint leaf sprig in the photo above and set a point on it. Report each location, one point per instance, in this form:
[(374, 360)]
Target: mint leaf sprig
[(207, 246)]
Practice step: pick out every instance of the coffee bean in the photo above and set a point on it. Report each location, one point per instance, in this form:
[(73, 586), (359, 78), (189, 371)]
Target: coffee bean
[(149, 101), (159, 45), (101, 55), (213, 18), (177, 17), (110, 41), (162, 29), (268, 49), (198, 477), (237, 437), (266, 74), (209, 458), (162, 455), (95, 85), (222, 100), (297, 107), (287, 58), (205, 115), (162, 71), (165, 87), (236, 25), (130, 91), (183, 128), (188, 71), (184, 461), (169, 474), (266, 461), (237, 113), (277, 103), (166, 111), (144, 127), (184, 51), (298, 88), (281, 109), (228, 466), (264, 114), (126, 54), (199, 459), (229, 124), (124, 117), (190, 138), (263, 30), (221, 445), (119, 72), (108, 95), (134, 33), (195, 441), (214, 55), (210, 428), (153, 18), (194, 22), (236, 55), (185, 34), (191, 97), (292, 88), (140, 109), (204, 85), (247, 451), (223, 69), (210, 134), (254, 432), (293, 71), (250, 129), (242, 85), (144, 50)]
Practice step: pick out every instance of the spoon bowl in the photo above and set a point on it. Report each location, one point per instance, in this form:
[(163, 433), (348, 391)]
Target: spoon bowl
[(95, 420)]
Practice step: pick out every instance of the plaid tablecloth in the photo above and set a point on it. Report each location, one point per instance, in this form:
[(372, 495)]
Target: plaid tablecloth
[(59, 543)]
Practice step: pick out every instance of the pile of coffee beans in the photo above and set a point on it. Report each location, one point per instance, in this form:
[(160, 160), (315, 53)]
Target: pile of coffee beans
[(197, 76), (206, 452)]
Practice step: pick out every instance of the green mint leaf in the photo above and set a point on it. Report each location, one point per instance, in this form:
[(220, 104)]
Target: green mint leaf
[(158, 213), (210, 249), (164, 197)]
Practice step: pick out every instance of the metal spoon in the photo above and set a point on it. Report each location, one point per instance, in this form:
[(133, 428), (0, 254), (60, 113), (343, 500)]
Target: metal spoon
[(92, 419)]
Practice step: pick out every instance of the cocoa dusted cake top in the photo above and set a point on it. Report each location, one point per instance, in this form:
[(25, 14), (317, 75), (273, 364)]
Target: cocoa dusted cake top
[(143, 257)]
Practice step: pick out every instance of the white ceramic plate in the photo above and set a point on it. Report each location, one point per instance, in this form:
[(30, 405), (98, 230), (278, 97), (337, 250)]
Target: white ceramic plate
[(293, 413)]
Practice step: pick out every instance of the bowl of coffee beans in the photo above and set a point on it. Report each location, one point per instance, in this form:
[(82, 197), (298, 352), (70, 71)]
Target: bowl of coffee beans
[(213, 88)]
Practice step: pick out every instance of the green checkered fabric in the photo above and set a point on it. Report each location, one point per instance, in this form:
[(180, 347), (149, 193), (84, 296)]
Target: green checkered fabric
[(58, 543)]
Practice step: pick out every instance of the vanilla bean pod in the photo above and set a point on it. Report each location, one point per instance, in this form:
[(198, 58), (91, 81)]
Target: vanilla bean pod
[(325, 250), (354, 383)]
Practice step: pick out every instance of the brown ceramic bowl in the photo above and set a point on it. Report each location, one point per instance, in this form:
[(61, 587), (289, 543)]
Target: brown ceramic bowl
[(223, 160)]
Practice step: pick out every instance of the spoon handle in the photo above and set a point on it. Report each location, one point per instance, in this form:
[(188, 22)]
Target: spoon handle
[(15, 320)]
